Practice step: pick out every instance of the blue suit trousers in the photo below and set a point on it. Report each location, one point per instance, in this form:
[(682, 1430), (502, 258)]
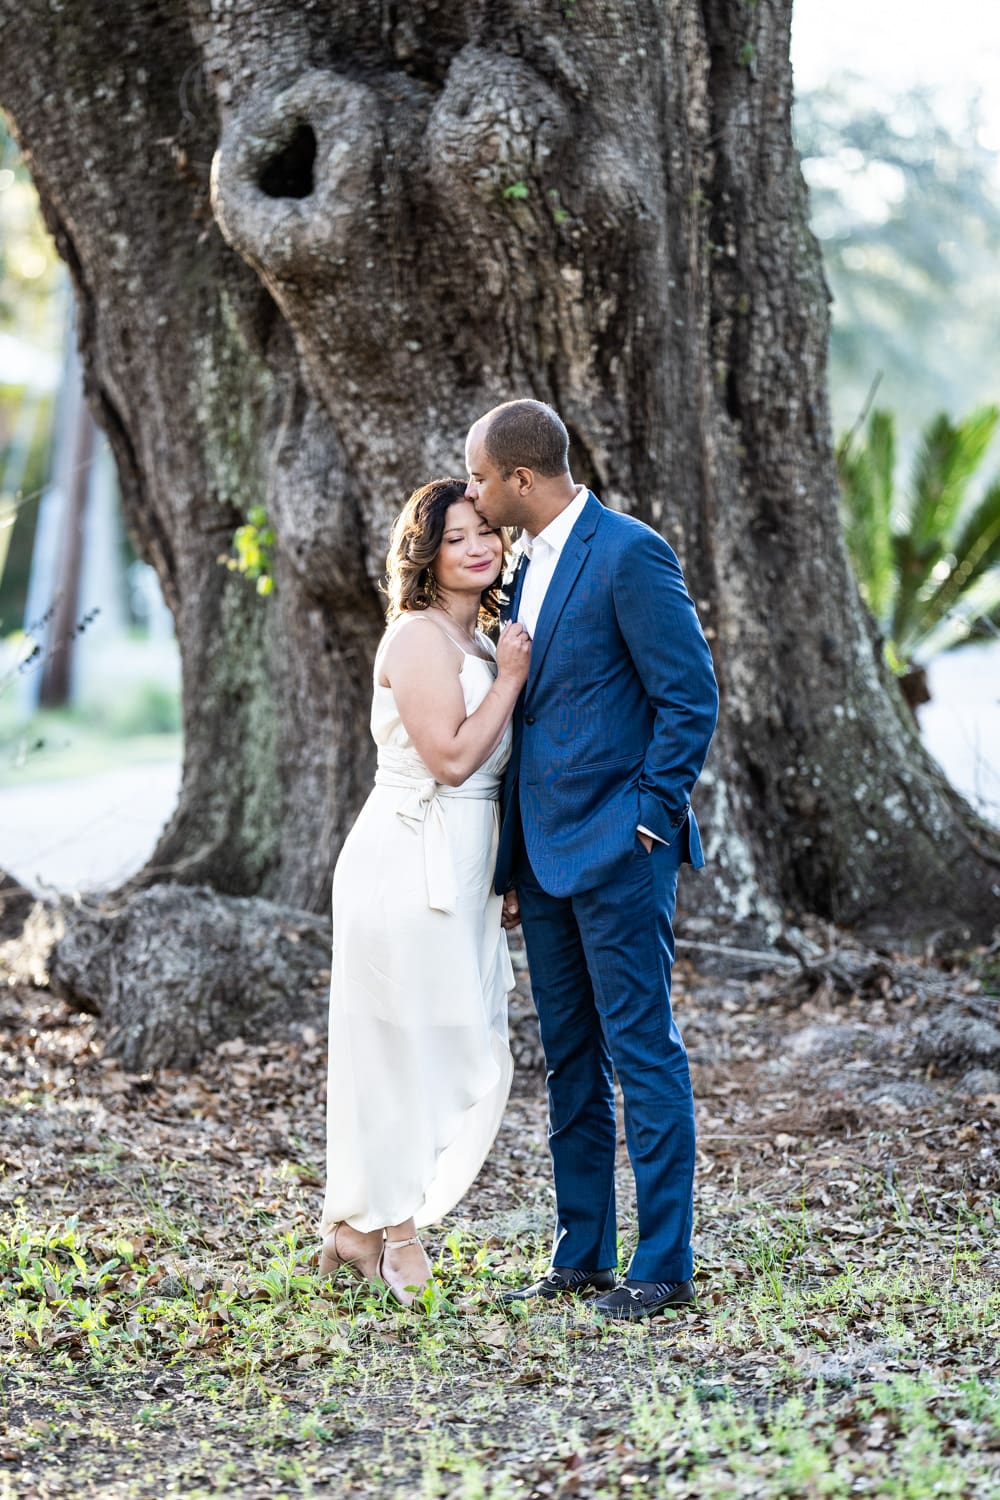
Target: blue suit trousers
[(600, 964)]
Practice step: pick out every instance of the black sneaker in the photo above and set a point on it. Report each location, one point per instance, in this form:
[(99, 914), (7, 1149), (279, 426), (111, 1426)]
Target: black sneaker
[(563, 1281), (641, 1299)]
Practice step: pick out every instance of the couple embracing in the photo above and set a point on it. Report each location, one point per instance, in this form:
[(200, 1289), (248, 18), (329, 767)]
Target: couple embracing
[(544, 780)]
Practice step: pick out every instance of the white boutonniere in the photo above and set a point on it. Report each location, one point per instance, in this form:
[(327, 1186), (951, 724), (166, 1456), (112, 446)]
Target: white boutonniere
[(517, 551)]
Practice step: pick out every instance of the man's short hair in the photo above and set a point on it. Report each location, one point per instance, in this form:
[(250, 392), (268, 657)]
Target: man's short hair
[(527, 435)]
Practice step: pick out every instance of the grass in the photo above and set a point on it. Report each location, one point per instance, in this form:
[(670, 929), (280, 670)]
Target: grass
[(163, 1330), (465, 1398), (58, 743)]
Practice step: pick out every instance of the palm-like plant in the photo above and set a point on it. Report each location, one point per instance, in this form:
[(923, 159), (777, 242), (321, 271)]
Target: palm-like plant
[(927, 564)]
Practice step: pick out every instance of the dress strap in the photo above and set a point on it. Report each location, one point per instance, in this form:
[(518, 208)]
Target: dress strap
[(415, 614)]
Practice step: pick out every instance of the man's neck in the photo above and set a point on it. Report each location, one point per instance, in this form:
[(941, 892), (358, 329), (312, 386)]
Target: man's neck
[(551, 505)]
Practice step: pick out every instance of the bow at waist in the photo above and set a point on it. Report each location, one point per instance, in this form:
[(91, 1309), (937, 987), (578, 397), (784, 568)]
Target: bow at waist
[(421, 810)]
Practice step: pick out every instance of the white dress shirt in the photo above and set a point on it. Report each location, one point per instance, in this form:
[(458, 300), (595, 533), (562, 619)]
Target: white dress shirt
[(543, 552)]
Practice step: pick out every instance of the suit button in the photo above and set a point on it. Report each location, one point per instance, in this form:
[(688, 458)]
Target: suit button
[(529, 718)]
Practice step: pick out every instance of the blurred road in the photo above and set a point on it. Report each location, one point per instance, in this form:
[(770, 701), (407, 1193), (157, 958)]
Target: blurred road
[(85, 832), (961, 724)]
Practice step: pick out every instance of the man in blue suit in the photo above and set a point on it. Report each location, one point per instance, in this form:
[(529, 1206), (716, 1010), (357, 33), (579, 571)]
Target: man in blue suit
[(610, 735)]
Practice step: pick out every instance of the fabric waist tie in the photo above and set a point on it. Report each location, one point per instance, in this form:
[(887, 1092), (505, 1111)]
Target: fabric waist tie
[(421, 809)]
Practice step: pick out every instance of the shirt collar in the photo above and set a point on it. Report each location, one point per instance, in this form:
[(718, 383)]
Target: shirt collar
[(555, 533)]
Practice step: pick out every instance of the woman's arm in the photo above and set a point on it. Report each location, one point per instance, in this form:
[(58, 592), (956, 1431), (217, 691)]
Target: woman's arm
[(422, 666)]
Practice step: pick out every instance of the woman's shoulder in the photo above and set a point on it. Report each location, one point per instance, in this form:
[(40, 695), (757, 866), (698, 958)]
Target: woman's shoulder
[(413, 635), (404, 622)]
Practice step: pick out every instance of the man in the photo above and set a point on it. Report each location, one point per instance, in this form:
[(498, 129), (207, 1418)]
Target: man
[(610, 735)]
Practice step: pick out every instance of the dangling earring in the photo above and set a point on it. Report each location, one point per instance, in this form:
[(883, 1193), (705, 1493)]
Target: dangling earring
[(430, 588)]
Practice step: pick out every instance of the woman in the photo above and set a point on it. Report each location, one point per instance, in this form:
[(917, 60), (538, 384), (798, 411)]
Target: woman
[(419, 1064)]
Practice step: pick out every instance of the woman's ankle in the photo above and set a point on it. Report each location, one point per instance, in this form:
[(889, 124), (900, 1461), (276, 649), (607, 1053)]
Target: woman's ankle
[(368, 1237)]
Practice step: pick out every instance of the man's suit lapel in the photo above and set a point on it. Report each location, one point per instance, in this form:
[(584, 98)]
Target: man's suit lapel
[(572, 558)]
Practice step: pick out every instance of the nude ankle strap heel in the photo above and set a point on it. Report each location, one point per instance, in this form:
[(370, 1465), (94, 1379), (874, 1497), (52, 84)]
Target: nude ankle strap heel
[(364, 1267), (394, 1280)]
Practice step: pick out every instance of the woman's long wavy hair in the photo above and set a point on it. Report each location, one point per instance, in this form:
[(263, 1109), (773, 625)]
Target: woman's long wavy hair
[(416, 542)]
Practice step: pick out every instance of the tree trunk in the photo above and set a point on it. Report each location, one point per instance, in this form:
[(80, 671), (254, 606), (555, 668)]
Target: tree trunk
[(413, 213), (178, 969)]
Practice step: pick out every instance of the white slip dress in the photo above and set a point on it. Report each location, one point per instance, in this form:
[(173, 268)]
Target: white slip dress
[(419, 1060)]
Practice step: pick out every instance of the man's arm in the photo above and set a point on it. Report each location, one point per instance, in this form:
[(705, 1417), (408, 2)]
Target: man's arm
[(658, 622)]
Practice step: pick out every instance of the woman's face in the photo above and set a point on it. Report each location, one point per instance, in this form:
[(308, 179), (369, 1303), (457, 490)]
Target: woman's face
[(471, 552)]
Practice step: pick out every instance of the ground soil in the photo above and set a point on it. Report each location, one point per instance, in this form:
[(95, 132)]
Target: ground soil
[(847, 1203)]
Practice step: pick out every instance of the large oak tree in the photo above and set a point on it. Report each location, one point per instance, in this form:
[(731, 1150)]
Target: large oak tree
[(313, 239)]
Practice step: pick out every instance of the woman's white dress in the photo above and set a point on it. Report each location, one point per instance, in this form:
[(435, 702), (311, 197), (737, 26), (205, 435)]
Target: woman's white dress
[(419, 1062)]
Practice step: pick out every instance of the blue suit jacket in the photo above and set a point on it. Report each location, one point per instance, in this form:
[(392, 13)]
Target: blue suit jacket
[(617, 714)]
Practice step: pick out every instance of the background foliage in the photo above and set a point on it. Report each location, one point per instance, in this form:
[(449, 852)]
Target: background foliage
[(907, 209), (927, 556)]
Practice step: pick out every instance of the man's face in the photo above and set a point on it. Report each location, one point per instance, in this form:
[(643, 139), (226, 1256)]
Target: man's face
[(496, 499)]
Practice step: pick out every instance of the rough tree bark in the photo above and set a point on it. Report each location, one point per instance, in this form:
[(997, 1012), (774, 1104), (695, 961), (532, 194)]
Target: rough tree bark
[(112, 963), (311, 241)]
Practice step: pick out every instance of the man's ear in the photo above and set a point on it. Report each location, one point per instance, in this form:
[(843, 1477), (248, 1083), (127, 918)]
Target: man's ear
[(525, 480)]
